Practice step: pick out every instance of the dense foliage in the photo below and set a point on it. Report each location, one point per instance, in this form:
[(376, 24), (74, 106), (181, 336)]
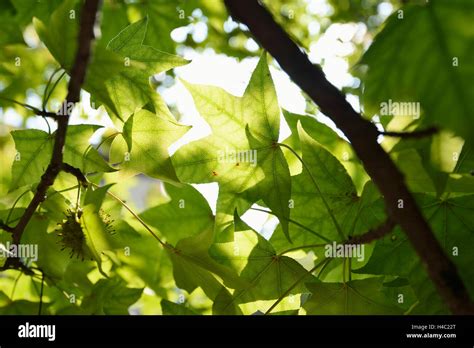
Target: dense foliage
[(139, 237)]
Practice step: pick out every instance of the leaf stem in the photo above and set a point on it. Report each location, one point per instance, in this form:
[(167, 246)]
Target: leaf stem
[(344, 260), (89, 147), (303, 247), (297, 224), (41, 293), (13, 206), (419, 133), (14, 285), (31, 108), (299, 280), (135, 215), (104, 140), (45, 94), (50, 92)]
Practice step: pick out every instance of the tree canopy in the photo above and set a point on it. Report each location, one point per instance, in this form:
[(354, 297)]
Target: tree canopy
[(128, 188)]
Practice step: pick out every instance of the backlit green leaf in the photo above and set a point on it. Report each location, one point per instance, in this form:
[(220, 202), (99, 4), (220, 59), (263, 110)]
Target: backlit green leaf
[(423, 55), (451, 220), (355, 297), (242, 153)]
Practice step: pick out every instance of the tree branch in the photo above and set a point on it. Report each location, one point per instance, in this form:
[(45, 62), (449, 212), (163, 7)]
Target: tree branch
[(415, 134), (78, 72), (363, 136), (67, 168), (373, 234), (5, 227), (37, 111)]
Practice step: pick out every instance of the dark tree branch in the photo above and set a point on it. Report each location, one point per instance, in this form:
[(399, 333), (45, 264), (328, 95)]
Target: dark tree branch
[(363, 137), (78, 73), (5, 227), (415, 134), (37, 111), (15, 263), (76, 172), (373, 234)]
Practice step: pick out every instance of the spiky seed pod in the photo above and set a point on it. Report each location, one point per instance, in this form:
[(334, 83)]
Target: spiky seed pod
[(107, 220), (72, 235)]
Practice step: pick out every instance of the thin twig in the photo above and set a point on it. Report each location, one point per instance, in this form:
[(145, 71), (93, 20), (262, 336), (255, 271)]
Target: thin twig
[(296, 223), (5, 227), (76, 172), (299, 280), (415, 134), (41, 293), (32, 108), (373, 234)]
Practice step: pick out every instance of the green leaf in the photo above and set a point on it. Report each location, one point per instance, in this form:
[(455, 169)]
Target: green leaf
[(460, 183), (185, 214), (164, 16), (22, 307), (113, 19), (11, 31), (171, 308), (327, 180), (148, 138), (187, 221), (357, 217), (130, 90), (129, 42), (80, 154), (16, 78), (427, 163), (329, 139), (51, 259), (34, 150), (451, 220), (268, 275), (110, 297), (142, 262), (356, 297), (27, 9), (420, 175), (193, 267), (465, 164), (405, 68), (56, 204), (336, 212), (242, 152), (224, 304), (118, 76), (4, 300), (96, 196), (97, 237), (60, 32)]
